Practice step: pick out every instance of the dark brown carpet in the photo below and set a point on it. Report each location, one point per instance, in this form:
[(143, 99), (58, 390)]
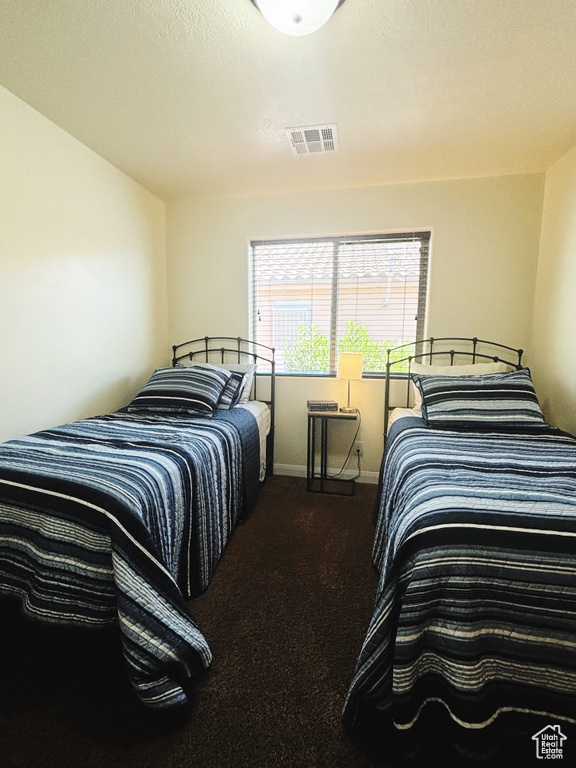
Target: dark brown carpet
[(284, 616)]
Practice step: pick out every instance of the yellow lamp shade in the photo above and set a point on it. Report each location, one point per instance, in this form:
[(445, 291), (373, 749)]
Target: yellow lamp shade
[(350, 365)]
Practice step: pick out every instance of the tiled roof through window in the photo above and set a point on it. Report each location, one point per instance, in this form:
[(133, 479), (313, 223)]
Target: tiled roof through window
[(306, 261)]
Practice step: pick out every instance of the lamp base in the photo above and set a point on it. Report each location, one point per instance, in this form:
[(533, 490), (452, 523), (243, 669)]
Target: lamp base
[(348, 410)]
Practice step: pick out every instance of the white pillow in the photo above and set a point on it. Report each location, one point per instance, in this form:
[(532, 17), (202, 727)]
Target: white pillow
[(248, 368), (474, 369)]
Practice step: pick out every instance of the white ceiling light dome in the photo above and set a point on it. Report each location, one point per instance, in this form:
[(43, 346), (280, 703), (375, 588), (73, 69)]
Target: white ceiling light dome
[(297, 17)]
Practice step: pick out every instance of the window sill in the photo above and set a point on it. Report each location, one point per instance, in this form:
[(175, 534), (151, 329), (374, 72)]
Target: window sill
[(303, 375)]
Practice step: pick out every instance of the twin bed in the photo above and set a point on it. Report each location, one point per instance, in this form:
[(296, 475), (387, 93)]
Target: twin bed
[(119, 519), (475, 547)]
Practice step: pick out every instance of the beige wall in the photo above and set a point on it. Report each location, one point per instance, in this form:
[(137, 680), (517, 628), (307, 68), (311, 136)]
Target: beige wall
[(83, 309), (484, 249), (553, 348)]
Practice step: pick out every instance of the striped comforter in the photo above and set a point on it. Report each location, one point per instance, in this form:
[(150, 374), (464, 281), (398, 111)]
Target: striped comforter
[(116, 520), (476, 605)]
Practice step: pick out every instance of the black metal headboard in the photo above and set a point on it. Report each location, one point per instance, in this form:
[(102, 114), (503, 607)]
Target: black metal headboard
[(234, 349), (449, 349)]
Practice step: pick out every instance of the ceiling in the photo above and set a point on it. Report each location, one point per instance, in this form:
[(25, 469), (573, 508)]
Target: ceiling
[(194, 96)]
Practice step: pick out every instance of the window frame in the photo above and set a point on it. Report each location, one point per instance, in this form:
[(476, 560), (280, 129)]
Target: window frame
[(423, 235)]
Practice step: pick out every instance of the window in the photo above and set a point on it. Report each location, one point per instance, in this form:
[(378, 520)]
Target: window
[(312, 298)]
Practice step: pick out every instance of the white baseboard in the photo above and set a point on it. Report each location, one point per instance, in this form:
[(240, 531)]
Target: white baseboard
[(297, 470)]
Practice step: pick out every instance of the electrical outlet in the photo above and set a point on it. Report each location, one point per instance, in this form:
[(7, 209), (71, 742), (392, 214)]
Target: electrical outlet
[(358, 447)]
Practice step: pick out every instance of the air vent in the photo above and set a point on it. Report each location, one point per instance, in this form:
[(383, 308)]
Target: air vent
[(313, 139)]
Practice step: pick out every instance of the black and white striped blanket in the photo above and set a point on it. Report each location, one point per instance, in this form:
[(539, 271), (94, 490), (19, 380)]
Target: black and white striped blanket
[(476, 606), (116, 520)]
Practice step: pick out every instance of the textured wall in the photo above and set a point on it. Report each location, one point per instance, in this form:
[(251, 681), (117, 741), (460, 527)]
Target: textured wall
[(82, 277), (553, 347)]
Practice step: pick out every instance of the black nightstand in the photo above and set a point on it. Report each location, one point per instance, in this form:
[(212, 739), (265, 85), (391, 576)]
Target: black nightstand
[(321, 482)]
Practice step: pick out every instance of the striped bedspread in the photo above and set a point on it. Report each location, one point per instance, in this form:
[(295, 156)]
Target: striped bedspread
[(476, 606), (116, 520)]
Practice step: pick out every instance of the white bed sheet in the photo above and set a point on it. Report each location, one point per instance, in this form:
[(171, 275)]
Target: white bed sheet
[(261, 412), (400, 413)]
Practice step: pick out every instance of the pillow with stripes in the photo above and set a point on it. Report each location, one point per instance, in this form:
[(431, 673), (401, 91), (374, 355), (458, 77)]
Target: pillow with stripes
[(183, 389), (470, 369), (232, 391), (500, 401), (232, 394)]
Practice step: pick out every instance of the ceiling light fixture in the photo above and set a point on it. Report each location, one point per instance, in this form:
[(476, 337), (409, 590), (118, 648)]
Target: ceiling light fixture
[(297, 17)]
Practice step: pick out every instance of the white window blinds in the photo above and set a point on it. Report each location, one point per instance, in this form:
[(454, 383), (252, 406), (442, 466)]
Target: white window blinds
[(312, 298)]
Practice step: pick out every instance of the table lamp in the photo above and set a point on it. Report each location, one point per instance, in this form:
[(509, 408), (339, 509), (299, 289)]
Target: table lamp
[(349, 367)]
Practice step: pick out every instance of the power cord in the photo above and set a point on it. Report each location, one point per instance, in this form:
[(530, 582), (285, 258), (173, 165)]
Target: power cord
[(348, 457)]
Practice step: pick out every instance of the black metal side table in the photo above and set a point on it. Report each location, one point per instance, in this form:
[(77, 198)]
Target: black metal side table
[(321, 482)]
